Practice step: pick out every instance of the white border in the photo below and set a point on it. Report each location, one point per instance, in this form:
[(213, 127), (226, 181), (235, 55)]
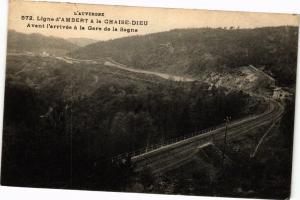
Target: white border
[(273, 6)]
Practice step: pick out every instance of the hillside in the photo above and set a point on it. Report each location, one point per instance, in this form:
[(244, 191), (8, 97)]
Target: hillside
[(199, 52), (107, 111), (37, 43), (81, 42)]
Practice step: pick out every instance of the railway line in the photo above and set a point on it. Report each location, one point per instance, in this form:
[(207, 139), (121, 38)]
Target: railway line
[(175, 151)]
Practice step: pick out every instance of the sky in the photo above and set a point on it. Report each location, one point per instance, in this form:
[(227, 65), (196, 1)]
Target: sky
[(158, 19)]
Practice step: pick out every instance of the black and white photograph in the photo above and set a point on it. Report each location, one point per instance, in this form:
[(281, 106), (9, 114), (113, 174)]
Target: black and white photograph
[(149, 100)]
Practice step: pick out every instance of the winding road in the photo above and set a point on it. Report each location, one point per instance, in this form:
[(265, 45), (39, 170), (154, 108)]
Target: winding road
[(162, 157)]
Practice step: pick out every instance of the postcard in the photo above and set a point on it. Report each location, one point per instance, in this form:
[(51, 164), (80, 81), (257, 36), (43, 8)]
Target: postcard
[(149, 100)]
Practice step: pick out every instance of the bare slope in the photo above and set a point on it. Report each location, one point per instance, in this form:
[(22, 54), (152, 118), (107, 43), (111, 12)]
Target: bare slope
[(37, 43)]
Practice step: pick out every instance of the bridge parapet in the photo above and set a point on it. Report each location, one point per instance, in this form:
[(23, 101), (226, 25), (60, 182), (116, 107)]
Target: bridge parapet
[(167, 144), (159, 146)]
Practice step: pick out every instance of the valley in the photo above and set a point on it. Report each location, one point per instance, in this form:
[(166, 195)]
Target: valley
[(92, 113)]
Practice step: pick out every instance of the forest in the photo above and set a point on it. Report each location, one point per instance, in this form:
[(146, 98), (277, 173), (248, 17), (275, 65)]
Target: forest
[(194, 51), (64, 121), (72, 137)]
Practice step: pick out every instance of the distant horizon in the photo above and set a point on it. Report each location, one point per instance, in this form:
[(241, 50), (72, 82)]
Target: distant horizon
[(98, 40), (66, 38)]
